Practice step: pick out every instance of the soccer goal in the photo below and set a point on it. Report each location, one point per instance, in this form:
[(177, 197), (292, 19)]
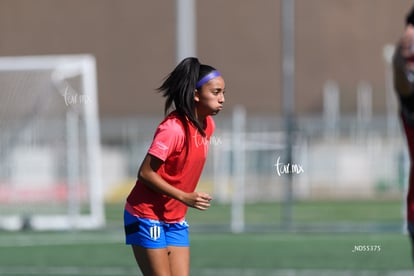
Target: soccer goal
[(50, 170)]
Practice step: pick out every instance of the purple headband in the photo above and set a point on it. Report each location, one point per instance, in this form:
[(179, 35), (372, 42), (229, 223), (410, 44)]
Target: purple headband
[(207, 77)]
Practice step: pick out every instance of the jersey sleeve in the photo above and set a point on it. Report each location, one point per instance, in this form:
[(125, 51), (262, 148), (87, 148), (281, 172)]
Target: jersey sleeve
[(169, 138)]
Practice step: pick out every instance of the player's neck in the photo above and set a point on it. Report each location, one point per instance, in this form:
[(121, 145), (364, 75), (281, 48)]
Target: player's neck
[(201, 119)]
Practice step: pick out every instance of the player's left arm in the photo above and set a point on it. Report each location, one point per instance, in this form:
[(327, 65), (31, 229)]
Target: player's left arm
[(149, 176)]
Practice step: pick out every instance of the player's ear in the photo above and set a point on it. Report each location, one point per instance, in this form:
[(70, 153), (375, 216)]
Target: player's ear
[(196, 96)]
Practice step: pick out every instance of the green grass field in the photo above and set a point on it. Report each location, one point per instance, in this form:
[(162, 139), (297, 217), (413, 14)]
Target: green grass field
[(384, 211), (215, 252)]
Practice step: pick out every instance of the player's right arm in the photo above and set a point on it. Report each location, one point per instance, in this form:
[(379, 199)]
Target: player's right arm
[(149, 176)]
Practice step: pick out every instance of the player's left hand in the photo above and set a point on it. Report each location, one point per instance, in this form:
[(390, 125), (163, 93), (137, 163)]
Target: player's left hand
[(198, 200)]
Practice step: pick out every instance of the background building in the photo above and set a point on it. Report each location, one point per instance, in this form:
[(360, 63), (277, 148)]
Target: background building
[(347, 139), (134, 43)]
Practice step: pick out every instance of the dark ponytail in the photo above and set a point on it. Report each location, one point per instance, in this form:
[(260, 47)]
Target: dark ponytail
[(409, 19), (179, 88)]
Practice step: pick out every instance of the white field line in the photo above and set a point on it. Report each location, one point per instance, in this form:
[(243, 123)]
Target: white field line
[(124, 271), (299, 272), (67, 270), (52, 240)]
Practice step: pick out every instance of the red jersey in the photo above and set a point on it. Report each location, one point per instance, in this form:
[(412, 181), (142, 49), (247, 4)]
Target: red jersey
[(181, 168)]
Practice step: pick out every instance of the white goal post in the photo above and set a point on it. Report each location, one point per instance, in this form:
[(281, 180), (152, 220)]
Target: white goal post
[(50, 151)]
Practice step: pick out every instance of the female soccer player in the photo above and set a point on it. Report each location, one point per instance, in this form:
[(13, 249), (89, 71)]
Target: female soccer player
[(155, 209), (403, 67)]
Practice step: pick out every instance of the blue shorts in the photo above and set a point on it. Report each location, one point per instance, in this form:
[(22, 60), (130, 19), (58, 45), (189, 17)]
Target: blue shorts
[(150, 233)]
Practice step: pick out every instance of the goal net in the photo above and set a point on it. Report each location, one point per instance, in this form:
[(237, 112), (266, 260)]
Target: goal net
[(50, 174)]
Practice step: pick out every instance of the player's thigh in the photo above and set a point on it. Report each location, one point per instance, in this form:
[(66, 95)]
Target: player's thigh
[(152, 261), (179, 257), (178, 243)]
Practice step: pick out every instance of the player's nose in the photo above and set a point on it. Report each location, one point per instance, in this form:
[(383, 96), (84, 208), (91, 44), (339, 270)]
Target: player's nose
[(221, 98)]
